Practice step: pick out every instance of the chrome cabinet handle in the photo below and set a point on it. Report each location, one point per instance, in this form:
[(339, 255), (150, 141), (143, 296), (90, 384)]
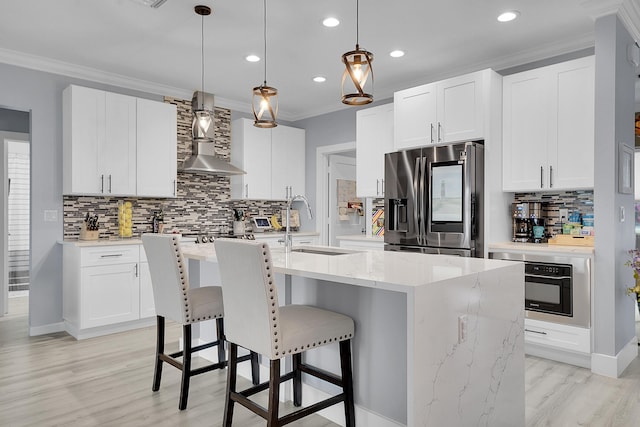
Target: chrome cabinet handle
[(432, 133), (377, 187), (111, 256), (175, 187), (109, 183), (439, 132), (535, 332), (102, 183), (246, 190), (136, 270), (541, 175), (382, 192), (550, 176)]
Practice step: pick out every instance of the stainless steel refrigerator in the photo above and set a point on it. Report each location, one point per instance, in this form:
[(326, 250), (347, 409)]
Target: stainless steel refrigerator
[(434, 199)]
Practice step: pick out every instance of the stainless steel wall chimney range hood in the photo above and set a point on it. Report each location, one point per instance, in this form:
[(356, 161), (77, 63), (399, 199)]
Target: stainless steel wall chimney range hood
[(203, 158)]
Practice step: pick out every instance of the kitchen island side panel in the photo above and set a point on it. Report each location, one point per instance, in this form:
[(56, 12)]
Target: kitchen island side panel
[(466, 358)]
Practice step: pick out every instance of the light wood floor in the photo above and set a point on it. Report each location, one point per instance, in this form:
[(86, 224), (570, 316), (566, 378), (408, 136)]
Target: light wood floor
[(54, 380)]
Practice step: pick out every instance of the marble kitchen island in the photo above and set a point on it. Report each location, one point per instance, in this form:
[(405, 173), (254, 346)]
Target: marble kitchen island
[(439, 339)]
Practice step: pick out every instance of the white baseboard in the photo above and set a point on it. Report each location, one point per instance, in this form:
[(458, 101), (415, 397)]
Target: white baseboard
[(565, 356), (51, 328), (613, 366), (81, 334)]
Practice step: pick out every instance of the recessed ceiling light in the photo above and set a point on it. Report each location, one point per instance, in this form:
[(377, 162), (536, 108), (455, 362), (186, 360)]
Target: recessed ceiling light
[(508, 16), (319, 79), (252, 58), (331, 22), (397, 53)]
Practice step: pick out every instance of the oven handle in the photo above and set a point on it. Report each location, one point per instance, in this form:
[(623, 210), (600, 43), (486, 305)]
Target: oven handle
[(546, 277)]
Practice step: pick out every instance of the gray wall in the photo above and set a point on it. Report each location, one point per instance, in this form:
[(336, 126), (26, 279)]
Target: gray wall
[(614, 324), (328, 129), (41, 94)]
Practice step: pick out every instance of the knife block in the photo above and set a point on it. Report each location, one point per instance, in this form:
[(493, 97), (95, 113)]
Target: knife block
[(88, 234)]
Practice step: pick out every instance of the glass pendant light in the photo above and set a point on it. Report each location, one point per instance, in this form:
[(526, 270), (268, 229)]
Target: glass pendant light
[(203, 118), (358, 73), (265, 98)]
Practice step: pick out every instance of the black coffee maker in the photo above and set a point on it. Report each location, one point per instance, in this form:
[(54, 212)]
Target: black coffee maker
[(521, 223)]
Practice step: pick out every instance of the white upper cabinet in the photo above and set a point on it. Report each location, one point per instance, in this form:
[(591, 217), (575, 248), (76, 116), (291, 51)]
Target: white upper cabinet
[(273, 159), (447, 111), (117, 156), (374, 138), (548, 127), (108, 137), (156, 149), (287, 161)]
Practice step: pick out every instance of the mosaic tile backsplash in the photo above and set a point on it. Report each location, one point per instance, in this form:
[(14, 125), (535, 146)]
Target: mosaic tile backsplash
[(202, 204), (580, 201)]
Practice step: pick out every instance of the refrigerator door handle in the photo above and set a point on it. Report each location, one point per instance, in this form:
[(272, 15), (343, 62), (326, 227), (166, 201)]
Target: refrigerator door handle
[(416, 202), (423, 199)]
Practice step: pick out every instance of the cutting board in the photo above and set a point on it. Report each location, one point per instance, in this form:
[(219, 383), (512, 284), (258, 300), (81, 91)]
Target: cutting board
[(571, 240)]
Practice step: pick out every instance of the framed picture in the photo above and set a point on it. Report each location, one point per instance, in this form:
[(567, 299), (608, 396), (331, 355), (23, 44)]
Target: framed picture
[(625, 169)]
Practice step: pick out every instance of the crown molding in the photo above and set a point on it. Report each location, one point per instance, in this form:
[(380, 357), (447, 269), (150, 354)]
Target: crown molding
[(627, 10), (53, 66)]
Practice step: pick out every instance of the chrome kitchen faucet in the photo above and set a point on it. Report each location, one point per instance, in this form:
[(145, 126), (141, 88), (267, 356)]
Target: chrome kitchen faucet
[(287, 234)]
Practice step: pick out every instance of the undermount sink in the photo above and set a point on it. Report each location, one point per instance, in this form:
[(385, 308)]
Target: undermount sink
[(321, 251)]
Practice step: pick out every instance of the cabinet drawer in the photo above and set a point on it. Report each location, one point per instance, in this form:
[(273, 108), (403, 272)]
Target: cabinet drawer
[(560, 336), (107, 255)]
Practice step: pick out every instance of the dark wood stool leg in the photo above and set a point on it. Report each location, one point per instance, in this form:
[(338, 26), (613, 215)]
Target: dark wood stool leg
[(274, 394), (297, 380), (231, 384), (157, 374), (255, 368), (347, 383), (186, 366), (220, 328)]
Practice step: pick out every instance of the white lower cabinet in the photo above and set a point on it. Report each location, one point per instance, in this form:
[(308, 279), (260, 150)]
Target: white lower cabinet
[(564, 338), (277, 240), (106, 289)]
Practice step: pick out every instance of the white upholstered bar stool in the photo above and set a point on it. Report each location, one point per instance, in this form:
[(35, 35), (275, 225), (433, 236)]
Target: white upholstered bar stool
[(254, 320), (175, 300)]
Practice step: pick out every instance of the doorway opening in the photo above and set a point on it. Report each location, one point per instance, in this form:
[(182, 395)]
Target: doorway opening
[(15, 206), (333, 163)]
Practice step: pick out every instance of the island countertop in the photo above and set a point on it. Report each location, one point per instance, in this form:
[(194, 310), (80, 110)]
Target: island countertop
[(398, 271), (443, 335)]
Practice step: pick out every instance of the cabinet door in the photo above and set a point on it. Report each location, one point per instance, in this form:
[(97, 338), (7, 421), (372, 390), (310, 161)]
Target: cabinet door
[(251, 151), (109, 294), (525, 131), (83, 133), (460, 109), (147, 305), (156, 149), (374, 138), (415, 116), (572, 121), (287, 161), (117, 155)]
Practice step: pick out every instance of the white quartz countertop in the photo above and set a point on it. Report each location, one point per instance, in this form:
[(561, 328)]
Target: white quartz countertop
[(281, 233), (536, 248), (398, 271), (102, 242), (361, 238)]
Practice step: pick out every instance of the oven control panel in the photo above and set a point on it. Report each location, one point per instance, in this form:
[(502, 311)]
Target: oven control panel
[(547, 270)]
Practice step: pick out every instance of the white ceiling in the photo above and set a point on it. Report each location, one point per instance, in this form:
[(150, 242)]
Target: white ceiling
[(159, 50)]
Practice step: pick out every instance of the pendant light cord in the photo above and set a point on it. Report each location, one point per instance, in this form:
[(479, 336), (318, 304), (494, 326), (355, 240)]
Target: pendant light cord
[(202, 56), (265, 42), (357, 22)]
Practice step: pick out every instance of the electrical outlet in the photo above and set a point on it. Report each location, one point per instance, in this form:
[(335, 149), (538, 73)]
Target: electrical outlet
[(564, 213), (462, 328)]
